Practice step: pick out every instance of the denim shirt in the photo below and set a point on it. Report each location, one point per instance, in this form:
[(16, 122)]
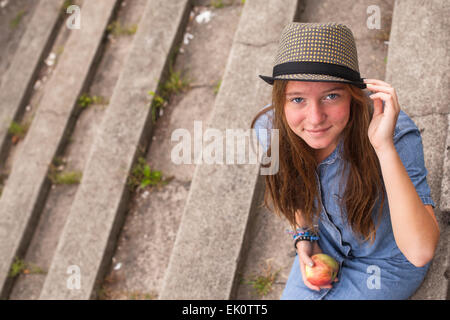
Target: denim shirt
[(397, 276)]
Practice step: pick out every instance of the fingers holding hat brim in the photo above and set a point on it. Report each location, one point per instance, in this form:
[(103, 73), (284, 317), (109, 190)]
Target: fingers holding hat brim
[(270, 80)]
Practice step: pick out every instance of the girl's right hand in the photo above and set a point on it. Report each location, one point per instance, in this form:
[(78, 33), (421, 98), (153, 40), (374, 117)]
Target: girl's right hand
[(306, 249)]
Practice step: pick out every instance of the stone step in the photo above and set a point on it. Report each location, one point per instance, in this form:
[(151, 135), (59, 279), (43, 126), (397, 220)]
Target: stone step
[(152, 220), (211, 235), (420, 32), (27, 186), (96, 215), (19, 78), (445, 187)]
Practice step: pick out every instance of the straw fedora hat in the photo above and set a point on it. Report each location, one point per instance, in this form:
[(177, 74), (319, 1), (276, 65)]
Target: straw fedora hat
[(316, 52)]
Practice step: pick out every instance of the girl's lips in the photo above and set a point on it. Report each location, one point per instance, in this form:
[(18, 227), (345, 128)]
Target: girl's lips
[(318, 133)]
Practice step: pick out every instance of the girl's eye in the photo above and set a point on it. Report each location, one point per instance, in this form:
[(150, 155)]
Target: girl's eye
[(295, 100), (333, 94), (299, 100)]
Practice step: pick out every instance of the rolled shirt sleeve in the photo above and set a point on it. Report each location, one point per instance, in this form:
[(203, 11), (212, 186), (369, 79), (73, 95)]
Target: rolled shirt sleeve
[(408, 143), (262, 128)]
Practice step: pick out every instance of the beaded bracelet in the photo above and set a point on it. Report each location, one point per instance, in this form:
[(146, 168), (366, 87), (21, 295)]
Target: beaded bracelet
[(297, 230), (306, 235), (303, 234), (308, 238), (300, 234)]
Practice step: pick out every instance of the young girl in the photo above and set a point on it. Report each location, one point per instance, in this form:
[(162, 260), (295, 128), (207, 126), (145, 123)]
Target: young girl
[(352, 175)]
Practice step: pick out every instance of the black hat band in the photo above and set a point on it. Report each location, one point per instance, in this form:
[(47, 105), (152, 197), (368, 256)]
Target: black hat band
[(311, 67)]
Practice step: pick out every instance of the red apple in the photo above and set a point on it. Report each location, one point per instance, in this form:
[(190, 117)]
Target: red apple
[(323, 272)]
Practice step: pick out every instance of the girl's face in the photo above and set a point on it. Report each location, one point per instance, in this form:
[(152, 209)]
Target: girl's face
[(317, 112)]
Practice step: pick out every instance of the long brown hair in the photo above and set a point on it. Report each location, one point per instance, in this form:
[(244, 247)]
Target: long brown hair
[(294, 187)]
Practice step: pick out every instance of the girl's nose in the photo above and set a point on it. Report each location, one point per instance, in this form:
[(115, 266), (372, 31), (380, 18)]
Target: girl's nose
[(315, 114)]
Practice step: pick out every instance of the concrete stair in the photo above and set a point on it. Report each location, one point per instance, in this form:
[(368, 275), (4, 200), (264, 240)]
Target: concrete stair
[(32, 50), (212, 233), (27, 185), (87, 241), (421, 82), (213, 238)]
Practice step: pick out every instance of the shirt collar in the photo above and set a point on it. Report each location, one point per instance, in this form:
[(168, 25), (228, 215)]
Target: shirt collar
[(337, 153)]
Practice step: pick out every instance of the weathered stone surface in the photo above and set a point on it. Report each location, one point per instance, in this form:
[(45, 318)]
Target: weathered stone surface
[(27, 185), (18, 79), (418, 68), (98, 209), (209, 242)]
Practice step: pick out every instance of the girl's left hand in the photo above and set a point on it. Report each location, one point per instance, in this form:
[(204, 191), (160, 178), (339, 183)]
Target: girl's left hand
[(382, 125)]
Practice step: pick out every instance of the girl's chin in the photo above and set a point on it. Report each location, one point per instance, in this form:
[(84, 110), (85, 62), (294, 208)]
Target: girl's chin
[(317, 143)]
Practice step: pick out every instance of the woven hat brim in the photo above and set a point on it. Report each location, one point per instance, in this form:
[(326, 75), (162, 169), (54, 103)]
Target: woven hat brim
[(312, 78)]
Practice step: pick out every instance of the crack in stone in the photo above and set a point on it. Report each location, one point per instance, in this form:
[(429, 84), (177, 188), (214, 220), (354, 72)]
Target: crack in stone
[(431, 114), (256, 45), (201, 86)]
